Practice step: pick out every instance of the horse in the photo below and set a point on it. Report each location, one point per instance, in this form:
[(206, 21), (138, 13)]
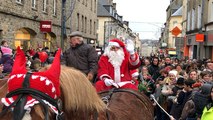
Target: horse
[(127, 104), (76, 99), (80, 99), (82, 102)]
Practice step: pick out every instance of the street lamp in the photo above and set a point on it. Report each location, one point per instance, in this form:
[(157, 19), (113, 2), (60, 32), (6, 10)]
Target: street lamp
[(63, 20)]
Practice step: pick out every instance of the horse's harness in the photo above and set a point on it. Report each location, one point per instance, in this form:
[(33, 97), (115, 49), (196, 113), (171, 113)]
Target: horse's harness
[(21, 100), (106, 99)]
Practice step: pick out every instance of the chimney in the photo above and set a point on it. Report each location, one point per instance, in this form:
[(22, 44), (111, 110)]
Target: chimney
[(114, 6)]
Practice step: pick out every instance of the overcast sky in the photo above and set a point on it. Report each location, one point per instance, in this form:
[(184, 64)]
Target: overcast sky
[(146, 17)]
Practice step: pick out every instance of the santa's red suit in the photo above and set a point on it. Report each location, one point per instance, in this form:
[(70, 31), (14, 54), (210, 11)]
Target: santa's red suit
[(121, 74)]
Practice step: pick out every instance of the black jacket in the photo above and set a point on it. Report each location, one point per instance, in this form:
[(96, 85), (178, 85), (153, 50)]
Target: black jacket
[(83, 57)]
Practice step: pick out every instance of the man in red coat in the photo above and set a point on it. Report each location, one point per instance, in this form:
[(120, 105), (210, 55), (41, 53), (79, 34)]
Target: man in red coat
[(115, 65)]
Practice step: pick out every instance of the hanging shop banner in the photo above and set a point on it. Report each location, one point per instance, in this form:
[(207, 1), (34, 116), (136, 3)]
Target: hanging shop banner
[(199, 37), (45, 26)]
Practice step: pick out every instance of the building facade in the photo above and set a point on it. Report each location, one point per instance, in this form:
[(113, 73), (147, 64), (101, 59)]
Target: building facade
[(172, 31), (37, 23), (197, 27), (84, 19), (199, 21), (111, 25)]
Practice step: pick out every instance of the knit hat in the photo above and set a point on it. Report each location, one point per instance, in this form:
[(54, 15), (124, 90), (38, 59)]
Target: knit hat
[(134, 73), (174, 72), (45, 81)]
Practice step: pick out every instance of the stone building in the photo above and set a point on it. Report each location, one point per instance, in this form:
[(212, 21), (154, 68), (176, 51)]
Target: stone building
[(199, 22), (37, 23)]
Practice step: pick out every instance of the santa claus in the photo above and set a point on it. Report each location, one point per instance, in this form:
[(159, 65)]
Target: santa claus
[(115, 65)]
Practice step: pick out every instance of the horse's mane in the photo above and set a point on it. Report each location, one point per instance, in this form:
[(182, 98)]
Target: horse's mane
[(77, 91)]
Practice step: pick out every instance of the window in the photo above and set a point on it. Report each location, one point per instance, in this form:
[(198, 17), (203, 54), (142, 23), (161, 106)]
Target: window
[(211, 13), (85, 2), (78, 20), (94, 28), (193, 19), (199, 12), (95, 6), (19, 1), (188, 20), (90, 26), (44, 7), (82, 23), (85, 24), (91, 5), (54, 7), (34, 4), (175, 23)]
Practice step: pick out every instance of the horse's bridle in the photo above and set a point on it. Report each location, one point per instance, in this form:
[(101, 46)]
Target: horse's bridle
[(21, 100)]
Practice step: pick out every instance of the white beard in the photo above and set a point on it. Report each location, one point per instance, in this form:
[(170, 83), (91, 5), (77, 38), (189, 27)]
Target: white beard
[(115, 57)]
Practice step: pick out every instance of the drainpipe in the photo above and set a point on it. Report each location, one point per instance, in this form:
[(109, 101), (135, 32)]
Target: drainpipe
[(63, 20), (201, 51)]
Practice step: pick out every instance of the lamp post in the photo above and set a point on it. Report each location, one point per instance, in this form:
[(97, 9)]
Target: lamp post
[(63, 20)]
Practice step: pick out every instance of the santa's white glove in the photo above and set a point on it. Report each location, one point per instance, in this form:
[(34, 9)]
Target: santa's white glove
[(110, 82), (130, 47)]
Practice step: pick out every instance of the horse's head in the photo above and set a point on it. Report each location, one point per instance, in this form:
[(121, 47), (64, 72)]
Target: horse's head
[(26, 89)]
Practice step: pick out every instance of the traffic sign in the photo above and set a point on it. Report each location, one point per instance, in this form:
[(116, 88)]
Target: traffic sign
[(176, 31)]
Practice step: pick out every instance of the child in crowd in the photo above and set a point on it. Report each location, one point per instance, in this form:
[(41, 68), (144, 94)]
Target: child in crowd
[(146, 84)]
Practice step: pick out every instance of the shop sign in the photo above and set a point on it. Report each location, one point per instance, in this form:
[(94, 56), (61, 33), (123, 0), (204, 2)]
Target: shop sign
[(199, 37), (210, 38), (45, 26), (172, 52)]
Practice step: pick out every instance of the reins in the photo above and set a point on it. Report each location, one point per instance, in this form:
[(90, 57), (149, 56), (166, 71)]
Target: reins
[(3, 86)]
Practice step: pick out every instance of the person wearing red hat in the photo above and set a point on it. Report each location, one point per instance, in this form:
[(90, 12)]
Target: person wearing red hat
[(115, 64)]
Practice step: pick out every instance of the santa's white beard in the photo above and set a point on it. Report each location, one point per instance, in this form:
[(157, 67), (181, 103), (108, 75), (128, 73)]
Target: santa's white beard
[(115, 57)]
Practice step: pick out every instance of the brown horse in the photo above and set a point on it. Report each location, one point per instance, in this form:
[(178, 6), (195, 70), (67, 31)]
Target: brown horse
[(81, 102), (127, 104)]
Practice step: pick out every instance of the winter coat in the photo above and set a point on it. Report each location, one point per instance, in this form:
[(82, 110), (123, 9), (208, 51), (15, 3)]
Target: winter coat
[(7, 62), (207, 114), (83, 57)]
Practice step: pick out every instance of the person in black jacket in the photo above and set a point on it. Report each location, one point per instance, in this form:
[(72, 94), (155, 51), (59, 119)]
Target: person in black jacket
[(154, 68), (81, 56), (182, 98)]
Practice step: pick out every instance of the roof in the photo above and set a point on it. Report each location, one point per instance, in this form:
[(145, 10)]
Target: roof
[(178, 12), (104, 2), (102, 11)]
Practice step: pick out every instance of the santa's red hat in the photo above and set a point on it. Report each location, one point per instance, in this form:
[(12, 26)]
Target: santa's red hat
[(117, 43)]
